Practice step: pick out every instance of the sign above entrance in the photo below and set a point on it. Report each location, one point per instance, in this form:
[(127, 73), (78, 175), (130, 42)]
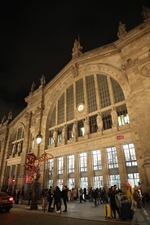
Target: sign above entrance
[(120, 137)]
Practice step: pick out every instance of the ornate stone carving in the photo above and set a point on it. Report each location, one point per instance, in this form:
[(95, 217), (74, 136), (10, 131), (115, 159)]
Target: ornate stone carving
[(136, 44), (74, 70), (131, 62), (145, 71)]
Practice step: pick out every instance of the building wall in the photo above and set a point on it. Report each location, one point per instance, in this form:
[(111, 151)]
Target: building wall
[(127, 62)]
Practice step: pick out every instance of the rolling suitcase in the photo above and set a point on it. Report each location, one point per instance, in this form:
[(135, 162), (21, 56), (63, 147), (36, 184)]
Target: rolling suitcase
[(52, 208), (107, 211), (126, 212)]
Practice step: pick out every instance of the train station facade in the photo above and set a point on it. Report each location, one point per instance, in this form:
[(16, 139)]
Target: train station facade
[(93, 117)]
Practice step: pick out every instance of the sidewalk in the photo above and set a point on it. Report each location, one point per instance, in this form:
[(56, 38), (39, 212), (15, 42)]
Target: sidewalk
[(85, 210)]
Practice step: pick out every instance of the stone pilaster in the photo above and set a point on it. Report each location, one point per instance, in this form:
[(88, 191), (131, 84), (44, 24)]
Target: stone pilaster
[(104, 168), (122, 168), (76, 171), (25, 150), (65, 176), (89, 169)]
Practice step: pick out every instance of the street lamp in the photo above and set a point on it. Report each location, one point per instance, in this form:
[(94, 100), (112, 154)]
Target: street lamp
[(35, 186), (38, 141)]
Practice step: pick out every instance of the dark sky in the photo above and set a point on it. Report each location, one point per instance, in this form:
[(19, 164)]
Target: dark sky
[(36, 37)]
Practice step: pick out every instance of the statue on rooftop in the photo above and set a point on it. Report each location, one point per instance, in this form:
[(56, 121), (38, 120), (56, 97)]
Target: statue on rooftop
[(42, 80), (76, 46), (32, 87), (121, 30), (10, 115), (145, 12), (3, 120)]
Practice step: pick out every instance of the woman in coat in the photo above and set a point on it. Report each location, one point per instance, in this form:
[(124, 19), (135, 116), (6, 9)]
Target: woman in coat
[(57, 198), (112, 195)]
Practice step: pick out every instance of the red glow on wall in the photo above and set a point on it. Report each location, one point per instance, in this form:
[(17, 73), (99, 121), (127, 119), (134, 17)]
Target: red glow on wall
[(119, 137)]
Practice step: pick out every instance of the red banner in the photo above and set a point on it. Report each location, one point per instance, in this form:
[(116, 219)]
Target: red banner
[(120, 137)]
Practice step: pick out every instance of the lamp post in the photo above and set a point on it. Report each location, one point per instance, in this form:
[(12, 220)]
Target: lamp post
[(38, 141), (35, 185)]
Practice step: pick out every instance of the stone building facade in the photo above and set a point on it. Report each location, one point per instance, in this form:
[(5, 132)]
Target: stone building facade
[(93, 117)]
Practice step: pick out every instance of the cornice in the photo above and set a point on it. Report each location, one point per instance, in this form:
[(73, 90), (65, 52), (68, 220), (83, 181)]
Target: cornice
[(134, 39), (129, 63)]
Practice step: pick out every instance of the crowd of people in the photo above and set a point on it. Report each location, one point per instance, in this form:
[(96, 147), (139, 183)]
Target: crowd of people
[(55, 196), (114, 197)]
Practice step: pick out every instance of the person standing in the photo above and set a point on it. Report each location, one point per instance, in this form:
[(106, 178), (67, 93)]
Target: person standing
[(57, 198), (65, 197), (139, 209), (81, 195), (50, 198), (84, 192), (112, 195)]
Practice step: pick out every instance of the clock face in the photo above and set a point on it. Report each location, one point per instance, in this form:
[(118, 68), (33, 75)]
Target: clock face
[(80, 107)]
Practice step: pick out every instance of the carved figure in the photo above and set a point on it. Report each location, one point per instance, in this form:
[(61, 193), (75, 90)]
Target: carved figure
[(76, 46), (114, 117), (32, 87), (3, 120), (145, 12), (19, 147), (99, 122), (86, 126), (10, 115), (13, 149), (121, 30), (55, 135), (64, 133), (74, 129), (42, 80)]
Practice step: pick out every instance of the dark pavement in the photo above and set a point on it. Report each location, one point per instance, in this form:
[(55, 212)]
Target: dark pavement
[(83, 211)]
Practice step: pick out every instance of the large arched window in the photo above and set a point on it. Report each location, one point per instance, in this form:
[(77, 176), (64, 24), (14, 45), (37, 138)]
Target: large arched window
[(98, 93)]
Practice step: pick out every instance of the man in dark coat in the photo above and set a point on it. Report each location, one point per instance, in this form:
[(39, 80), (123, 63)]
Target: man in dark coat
[(57, 198), (65, 196), (50, 198)]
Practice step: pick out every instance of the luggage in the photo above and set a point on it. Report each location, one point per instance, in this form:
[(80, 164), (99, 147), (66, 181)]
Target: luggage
[(126, 212), (51, 209), (107, 211)]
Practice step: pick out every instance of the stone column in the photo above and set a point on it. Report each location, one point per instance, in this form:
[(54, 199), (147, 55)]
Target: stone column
[(25, 147), (105, 173), (122, 167), (65, 167), (89, 169), (54, 175), (76, 171)]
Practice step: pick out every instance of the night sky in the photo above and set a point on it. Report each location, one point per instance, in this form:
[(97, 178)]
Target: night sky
[(37, 38)]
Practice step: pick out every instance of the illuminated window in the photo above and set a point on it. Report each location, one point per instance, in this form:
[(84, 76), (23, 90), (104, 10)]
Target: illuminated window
[(60, 165), (129, 153), (97, 165), (71, 164), (112, 157), (83, 161)]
